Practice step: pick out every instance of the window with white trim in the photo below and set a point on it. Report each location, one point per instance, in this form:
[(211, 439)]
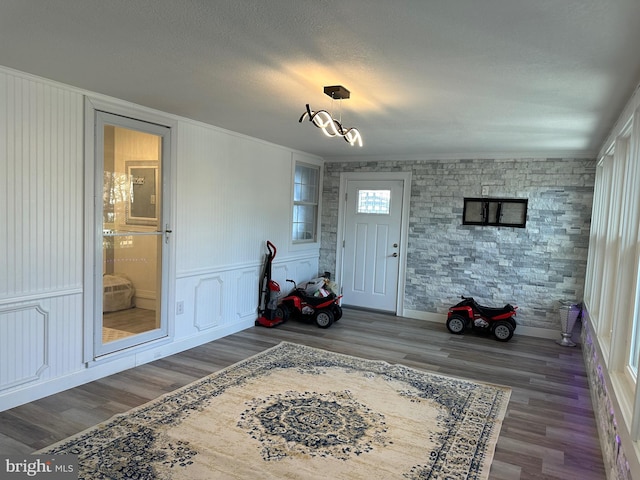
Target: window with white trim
[(306, 186), (630, 251), (634, 351)]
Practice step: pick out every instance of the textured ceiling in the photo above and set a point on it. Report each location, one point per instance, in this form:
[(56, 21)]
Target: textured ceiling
[(427, 78)]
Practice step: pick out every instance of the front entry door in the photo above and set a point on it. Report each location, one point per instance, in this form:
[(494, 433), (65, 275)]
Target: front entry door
[(371, 255), (131, 254)]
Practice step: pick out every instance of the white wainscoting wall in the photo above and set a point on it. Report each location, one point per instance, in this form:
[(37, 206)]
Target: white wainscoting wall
[(232, 194), (41, 164)]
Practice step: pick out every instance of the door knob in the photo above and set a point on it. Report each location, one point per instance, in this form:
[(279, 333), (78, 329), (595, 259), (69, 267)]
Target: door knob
[(394, 254)]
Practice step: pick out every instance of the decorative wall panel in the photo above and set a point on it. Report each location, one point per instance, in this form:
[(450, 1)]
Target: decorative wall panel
[(306, 268), (209, 307), (224, 298), (25, 352), (247, 287)]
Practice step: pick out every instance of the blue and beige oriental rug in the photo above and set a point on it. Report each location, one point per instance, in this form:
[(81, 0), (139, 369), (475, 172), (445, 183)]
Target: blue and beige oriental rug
[(302, 413)]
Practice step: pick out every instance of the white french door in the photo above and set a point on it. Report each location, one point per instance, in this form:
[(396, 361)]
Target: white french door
[(132, 231), (373, 243)]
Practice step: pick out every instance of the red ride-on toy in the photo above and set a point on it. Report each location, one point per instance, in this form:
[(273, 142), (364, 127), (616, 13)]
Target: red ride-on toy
[(498, 321), (323, 309)]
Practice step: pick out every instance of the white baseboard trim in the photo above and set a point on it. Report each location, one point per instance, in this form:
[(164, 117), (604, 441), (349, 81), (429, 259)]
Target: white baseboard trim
[(429, 316), (145, 299), (182, 344), (521, 330), (538, 332)]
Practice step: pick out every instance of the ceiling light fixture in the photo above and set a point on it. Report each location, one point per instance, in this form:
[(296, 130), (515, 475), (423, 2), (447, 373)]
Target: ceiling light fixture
[(329, 125)]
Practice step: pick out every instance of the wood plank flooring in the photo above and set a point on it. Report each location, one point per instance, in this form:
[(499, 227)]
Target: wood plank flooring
[(549, 431), (134, 320)]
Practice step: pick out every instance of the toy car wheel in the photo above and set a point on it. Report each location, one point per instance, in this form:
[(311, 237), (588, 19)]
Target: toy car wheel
[(324, 318), (337, 313), (283, 312), (503, 331), (456, 324)]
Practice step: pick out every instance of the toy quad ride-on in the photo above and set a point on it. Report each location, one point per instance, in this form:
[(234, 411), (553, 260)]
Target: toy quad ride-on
[(324, 308), (498, 321)]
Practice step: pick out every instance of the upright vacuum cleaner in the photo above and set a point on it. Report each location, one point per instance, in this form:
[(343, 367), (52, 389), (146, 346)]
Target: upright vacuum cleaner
[(269, 292)]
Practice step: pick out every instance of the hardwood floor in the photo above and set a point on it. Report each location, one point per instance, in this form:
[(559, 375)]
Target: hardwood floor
[(549, 431), (133, 320)]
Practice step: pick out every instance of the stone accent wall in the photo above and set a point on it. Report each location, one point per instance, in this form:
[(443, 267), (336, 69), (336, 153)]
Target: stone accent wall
[(534, 267)]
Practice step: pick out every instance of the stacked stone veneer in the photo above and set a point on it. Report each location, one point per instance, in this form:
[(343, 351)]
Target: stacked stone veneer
[(533, 267)]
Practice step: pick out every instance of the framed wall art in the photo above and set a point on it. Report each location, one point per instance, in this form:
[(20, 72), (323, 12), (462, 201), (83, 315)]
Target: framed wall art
[(142, 206)]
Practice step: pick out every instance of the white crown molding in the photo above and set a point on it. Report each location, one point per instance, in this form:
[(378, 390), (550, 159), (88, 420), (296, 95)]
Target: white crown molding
[(528, 156)]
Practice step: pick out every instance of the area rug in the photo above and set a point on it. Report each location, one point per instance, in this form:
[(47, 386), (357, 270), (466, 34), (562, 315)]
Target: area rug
[(297, 412)]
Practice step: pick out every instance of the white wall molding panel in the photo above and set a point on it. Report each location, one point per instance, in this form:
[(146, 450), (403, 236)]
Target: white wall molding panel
[(228, 299), (26, 355), (209, 303)]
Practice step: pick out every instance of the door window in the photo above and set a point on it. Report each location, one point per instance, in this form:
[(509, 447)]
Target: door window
[(374, 202)]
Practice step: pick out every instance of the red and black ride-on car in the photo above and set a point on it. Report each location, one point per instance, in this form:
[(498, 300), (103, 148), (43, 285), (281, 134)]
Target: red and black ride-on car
[(323, 309), (498, 321)]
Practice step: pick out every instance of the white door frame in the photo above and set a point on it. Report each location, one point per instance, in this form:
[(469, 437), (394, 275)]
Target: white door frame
[(91, 228), (405, 177)]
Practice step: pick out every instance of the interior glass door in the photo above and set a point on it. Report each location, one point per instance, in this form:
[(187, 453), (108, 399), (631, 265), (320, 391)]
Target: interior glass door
[(133, 233)]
